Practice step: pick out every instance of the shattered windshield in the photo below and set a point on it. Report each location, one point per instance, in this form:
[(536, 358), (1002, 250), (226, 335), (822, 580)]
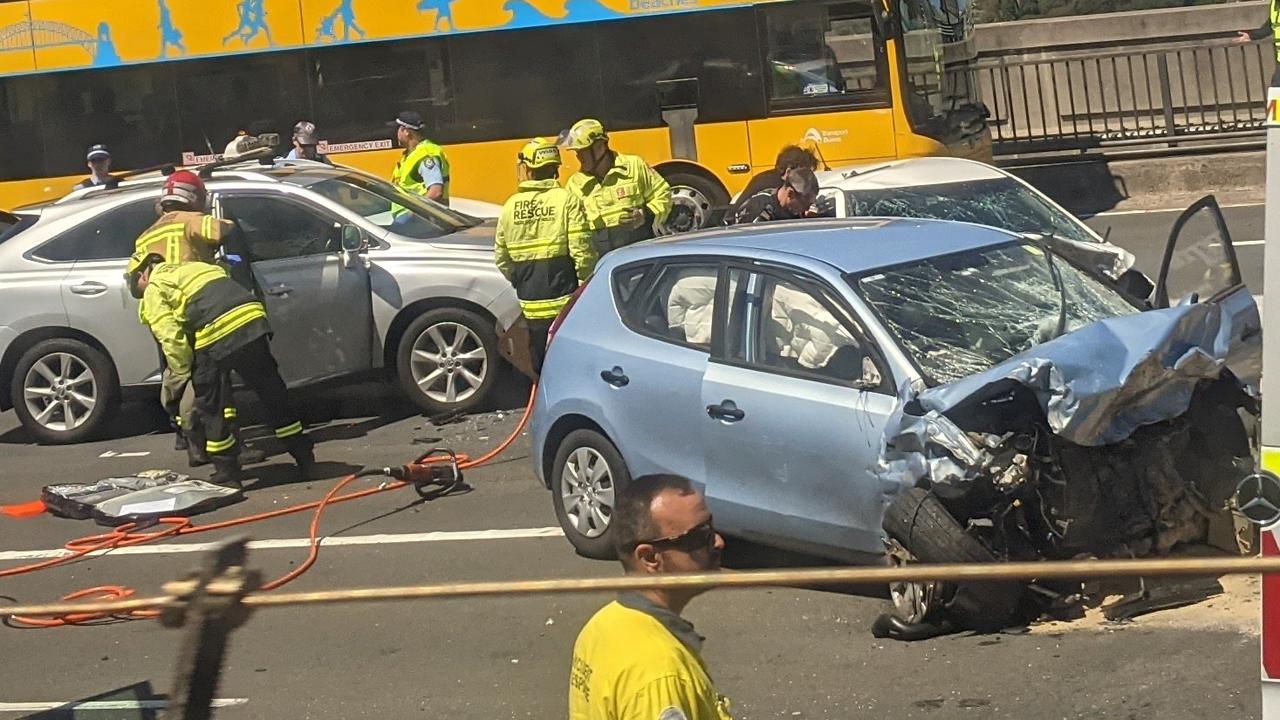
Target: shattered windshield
[(963, 313), (1000, 202)]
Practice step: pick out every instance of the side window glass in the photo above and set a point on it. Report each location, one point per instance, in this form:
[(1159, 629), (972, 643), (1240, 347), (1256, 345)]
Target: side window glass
[(680, 306), (628, 283), (799, 334), (109, 236), (823, 54), (276, 228)]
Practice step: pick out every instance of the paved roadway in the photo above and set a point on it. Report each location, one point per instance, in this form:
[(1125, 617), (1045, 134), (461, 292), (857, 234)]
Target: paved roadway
[(778, 653)]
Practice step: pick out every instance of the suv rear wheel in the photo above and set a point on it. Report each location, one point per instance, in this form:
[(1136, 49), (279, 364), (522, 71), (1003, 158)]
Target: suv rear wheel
[(63, 390), (448, 360)]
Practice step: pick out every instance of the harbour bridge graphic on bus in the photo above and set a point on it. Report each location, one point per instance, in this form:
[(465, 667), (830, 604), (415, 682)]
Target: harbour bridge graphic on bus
[(42, 34)]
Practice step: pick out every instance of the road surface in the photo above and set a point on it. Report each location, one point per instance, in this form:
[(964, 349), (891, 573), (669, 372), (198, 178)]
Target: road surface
[(778, 653)]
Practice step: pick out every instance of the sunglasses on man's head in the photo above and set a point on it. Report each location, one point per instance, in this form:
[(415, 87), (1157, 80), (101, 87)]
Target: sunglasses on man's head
[(699, 537)]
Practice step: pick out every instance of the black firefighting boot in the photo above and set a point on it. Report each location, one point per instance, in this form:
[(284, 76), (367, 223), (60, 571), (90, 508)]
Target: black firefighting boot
[(301, 448), (226, 470)]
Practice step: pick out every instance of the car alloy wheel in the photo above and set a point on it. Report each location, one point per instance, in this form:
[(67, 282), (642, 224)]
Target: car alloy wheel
[(449, 362), (587, 492), (60, 391), (912, 601)]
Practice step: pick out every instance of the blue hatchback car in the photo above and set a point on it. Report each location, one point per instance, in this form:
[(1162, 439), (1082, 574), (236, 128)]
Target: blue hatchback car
[(767, 362)]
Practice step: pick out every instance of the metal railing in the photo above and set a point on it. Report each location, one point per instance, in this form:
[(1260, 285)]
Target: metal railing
[(1163, 94)]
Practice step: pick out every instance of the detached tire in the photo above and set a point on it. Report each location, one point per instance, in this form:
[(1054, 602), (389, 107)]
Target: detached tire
[(693, 197), (918, 521), (448, 360), (586, 476), (64, 391)]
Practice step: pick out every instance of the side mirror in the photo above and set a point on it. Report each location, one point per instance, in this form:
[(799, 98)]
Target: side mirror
[(870, 375), (352, 239)]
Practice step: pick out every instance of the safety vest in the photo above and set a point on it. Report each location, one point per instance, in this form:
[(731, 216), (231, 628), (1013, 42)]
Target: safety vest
[(184, 236), (628, 185), (1275, 25), (215, 315), (543, 245), (407, 176)]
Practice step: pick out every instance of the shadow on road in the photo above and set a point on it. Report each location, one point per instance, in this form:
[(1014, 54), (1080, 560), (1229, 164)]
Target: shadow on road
[(112, 703), (343, 411), (1085, 187)]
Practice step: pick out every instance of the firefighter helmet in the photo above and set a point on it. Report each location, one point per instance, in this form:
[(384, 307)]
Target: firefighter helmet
[(539, 152), (583, 134), (186, 188), (138, 262)]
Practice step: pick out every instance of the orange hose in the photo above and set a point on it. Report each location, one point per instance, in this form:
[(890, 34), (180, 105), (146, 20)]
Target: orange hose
[(127, 536)]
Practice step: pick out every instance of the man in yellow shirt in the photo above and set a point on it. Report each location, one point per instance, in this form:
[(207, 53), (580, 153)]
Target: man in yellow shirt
[(624, 197), (637, 658)]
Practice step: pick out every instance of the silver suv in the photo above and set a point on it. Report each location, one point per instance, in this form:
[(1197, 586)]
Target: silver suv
[(421, 294)]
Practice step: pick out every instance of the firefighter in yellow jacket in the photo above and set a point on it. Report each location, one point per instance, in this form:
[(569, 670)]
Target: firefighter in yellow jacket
[(208, 325), (624, 197), (543, 242), (185, 233)]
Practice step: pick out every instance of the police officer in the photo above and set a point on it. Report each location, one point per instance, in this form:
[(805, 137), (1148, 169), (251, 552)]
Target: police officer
[(543, 242), (306, 143), (791, 200), (624, 197), (637, 658), (208, 325), (423, 169), (185, 233), (99, 162)]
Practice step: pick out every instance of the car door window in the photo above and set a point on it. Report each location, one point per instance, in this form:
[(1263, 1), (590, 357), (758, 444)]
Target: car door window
[(276, 227), (798, 330), (108, 236), (678, 307), (1199, 257)]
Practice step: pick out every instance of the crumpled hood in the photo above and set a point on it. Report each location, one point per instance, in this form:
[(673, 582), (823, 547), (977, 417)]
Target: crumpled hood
[(1094, 386), (1098, 384)]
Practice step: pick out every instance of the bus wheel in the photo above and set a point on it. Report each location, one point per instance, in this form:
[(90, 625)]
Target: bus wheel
[(693, 198)]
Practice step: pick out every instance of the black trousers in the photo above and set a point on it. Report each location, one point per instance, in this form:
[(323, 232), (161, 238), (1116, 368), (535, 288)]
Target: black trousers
[(257, 367), (538, 342)]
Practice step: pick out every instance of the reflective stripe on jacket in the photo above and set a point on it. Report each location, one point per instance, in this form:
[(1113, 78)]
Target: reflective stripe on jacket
[(184, 236), (407, 173), (628, 185), (543, 246), (1274, 15), (197, 307)]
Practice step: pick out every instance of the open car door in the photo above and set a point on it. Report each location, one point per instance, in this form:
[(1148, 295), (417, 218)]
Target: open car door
[(1200, 265)]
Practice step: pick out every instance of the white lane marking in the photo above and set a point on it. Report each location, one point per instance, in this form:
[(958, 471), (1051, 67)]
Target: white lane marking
[(114, 454), (286, 543), (27, 707), (1113, 213)]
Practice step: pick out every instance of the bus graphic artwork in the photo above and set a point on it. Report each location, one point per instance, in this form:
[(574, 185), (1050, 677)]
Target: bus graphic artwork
[(345, 12), (444, 17), (253, 20), (41, 34), (170, 36)]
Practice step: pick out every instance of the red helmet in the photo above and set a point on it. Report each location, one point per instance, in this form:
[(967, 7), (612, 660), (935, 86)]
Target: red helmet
[(185, 187)]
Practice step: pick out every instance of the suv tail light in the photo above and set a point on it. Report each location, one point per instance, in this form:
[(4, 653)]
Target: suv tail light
[(555, 324)]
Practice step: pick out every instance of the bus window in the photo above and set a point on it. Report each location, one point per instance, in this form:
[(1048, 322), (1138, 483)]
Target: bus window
[(824, 53), (255, 93), (719, 50), (130, 109), (358, 88), (20, 128), (521, 84)]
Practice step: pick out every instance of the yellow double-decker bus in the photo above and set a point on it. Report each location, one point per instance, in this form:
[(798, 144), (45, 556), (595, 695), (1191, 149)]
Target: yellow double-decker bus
[(706, 90)]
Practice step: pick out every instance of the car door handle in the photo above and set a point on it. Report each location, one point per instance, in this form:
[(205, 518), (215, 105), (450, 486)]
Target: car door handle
[(727, 411), (1249, 333), (89, 288), (279, 290), (615, 377)]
